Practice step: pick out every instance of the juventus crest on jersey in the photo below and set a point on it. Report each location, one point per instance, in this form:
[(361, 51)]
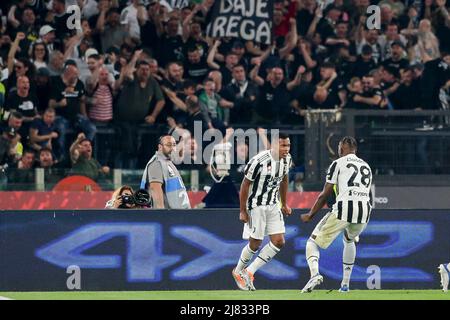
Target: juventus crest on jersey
[(353, 179), (266, 175)]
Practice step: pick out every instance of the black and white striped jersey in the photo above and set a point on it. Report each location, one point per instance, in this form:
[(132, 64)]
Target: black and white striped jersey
[(353, 179), (266, 175)]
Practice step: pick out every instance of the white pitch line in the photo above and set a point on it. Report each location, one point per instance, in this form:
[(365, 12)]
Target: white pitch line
[(4, 298)]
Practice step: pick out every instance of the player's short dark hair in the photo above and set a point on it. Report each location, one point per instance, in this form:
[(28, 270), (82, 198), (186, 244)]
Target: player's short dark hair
[(283, 135), (350, 141)]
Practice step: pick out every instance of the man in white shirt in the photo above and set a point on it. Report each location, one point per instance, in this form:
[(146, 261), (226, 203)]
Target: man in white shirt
[(129, 17)]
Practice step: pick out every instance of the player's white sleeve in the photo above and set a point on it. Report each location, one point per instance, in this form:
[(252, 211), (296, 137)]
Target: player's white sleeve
[(289, 165), (251, 169), (332, 173)]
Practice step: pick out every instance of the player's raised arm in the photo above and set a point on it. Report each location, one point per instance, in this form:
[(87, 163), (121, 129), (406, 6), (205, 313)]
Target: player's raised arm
[(320, 202), (243, 196)]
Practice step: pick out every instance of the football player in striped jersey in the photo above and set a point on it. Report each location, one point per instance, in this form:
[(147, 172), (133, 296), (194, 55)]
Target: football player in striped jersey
[(265, 184), (352, 179)]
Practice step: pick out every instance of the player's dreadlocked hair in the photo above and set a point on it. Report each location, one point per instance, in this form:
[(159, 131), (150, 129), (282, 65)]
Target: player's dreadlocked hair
[(350, 141)]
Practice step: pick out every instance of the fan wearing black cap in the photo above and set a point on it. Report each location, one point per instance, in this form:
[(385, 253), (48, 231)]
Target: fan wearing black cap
[(238, 48), (390, 35), (397, 59), (368, 37)]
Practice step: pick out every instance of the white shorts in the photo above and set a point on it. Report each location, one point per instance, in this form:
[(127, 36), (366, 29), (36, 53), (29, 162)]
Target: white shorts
[(330, 227), (264, 221)]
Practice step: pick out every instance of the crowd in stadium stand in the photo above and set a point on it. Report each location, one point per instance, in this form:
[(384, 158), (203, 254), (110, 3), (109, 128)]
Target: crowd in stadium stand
[(148, 62)]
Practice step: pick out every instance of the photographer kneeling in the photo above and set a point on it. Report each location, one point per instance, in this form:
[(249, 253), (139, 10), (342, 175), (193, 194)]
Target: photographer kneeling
[(126, 198)]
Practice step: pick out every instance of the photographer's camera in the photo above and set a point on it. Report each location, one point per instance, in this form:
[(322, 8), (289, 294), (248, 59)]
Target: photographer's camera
[(140, 199)]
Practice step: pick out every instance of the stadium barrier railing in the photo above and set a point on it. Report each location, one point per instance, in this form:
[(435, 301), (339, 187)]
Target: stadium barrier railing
[(412, 145), (404, 143)]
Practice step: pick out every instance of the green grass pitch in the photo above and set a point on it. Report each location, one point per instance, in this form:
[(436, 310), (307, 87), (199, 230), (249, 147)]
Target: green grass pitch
[(233, 295)]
